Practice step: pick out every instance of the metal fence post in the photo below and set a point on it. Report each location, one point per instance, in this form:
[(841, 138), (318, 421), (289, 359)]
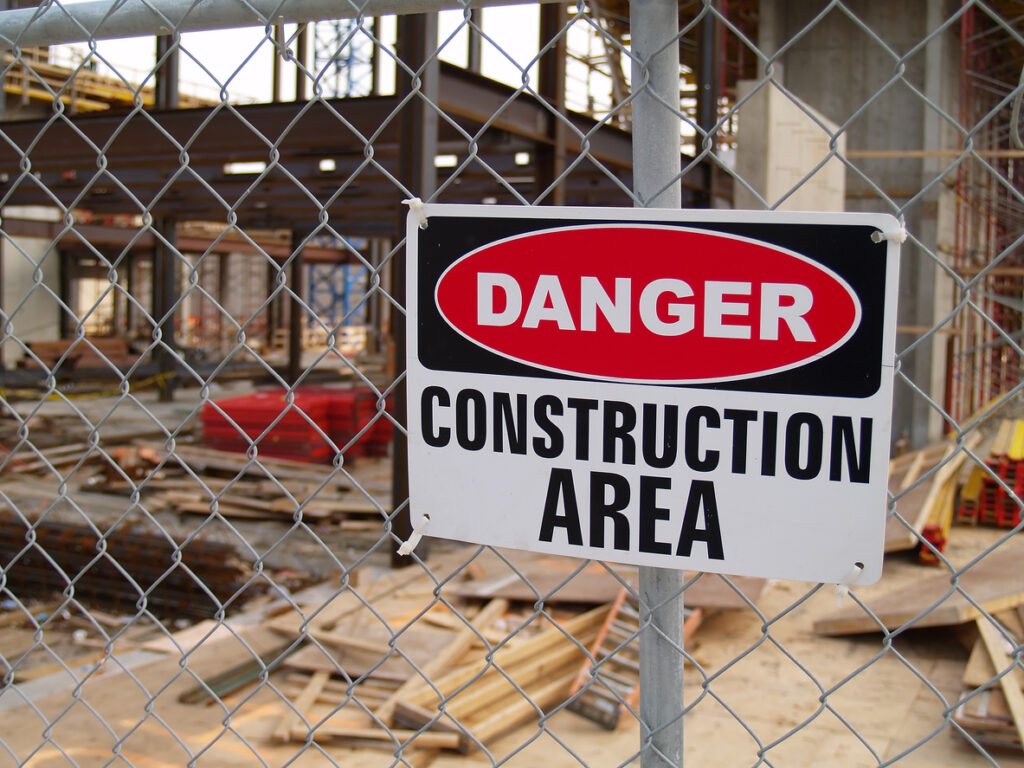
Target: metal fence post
[(654, 26)]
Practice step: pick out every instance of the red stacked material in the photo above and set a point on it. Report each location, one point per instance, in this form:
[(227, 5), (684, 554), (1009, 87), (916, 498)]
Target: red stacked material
[(995, 505), (266, 420), (302, 431), (352, 413)]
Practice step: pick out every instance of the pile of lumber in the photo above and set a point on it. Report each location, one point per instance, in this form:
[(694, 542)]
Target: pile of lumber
[(987, 596), (196, 480), (442, 659), (924, 484), (92, 352), (991, 707), (267, 489)]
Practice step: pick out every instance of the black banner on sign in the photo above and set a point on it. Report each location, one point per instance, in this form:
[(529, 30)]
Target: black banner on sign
[(851, 370)]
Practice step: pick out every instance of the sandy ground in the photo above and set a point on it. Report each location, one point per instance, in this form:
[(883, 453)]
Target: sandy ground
[(766, 691), (783, 695)]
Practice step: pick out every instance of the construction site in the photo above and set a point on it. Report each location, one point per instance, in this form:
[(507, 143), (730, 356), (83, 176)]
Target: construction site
[(204, 461)]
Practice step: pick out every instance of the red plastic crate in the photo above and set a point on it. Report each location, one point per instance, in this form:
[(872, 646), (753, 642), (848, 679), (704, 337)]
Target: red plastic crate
[(234, 423), (351, 411), (264, 418)]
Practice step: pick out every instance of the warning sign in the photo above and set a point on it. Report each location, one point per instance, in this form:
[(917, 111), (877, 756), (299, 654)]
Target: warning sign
[(708, 390)]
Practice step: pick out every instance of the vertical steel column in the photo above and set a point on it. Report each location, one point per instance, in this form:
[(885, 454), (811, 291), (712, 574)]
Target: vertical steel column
[(165, 301), (223, 290), (273, 303), (296, 311), (165, 264), (375, 30), (275, 75), (654, 29), (474, 44), (301, 57), (707, 98), (417, 47), (549, 162), (166, 86), (132, 287), (67, 264)]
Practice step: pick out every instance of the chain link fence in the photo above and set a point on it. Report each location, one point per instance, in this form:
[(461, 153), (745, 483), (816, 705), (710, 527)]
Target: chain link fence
[(202, 473)]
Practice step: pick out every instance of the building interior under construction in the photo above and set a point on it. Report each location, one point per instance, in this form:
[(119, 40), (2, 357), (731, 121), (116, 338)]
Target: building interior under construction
[(133, 208)]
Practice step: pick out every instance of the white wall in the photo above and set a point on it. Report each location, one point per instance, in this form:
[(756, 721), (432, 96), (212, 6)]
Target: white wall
[(31, 284)]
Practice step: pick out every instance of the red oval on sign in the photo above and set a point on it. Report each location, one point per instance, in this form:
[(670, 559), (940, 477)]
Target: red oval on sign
[(646, 303)]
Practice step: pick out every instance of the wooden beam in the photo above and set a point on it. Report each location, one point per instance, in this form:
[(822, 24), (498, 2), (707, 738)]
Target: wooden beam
[(995, 583), (1010, 683)]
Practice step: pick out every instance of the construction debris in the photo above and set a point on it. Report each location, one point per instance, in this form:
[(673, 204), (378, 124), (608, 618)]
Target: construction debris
[(995, 583), (985, 498), (124, 568)]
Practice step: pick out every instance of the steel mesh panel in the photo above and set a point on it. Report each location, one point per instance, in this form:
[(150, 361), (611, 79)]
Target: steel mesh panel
[(163, 604)]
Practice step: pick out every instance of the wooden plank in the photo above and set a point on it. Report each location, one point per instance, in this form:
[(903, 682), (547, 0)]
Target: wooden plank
[(445, 659), (305, 700), (943, 485), (346, 603), (530, 652), (594, 585), (1001, 443), (499, 687), (350, 642), (283, 469), (519, 711), (996, 583), (1010, 683), (986, 718), (898, 534), (386, 737)]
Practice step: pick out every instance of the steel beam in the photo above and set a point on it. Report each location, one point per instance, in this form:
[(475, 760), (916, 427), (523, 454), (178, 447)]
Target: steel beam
[(56, 23)]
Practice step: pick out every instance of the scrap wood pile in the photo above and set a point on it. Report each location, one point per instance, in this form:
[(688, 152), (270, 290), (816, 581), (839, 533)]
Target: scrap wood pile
[(924, 484), (193, 479), (199, 480), (989, 596), (942, 484), (457, 666)]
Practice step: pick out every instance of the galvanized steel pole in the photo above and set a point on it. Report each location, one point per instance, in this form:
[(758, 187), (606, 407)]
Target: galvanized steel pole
[(654, 29)]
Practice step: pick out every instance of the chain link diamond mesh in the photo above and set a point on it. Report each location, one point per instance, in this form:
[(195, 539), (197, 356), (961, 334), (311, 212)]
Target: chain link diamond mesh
[(197, 530)]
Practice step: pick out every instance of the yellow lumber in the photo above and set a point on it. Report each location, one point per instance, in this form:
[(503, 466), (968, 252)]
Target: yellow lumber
[(387, 737), (520, 710), (1016, 451), (446, 658), (933, 509), (1003, 438), (509, 658)]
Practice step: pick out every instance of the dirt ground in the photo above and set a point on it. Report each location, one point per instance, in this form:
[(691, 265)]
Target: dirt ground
[(766, 689), (785, 695)]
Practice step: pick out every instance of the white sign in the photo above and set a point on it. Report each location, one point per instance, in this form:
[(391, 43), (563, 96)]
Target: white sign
[(708, 390)]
